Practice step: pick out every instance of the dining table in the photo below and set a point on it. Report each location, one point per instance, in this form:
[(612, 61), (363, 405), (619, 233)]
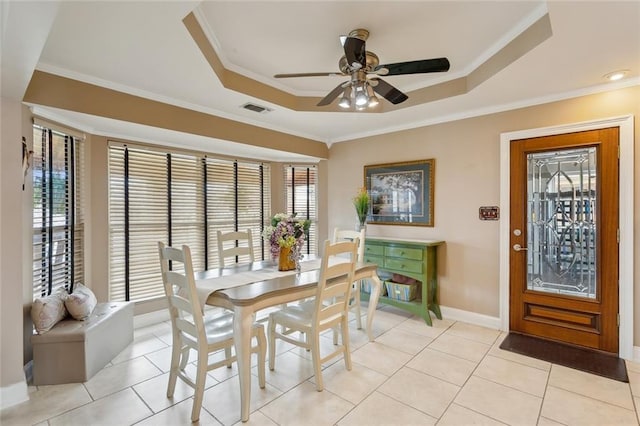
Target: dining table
[(248, 288)]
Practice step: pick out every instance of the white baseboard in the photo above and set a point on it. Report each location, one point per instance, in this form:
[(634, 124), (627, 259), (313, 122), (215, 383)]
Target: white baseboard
[(470, 317), (151, 318), (13, 394)]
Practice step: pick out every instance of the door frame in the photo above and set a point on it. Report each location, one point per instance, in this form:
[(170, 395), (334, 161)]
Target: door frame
[(625, 303)]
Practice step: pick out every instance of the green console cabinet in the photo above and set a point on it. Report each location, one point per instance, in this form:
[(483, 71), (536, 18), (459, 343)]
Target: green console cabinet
[(415, 259)]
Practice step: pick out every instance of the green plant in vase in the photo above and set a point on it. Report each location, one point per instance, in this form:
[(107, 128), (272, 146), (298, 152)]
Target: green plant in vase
[(361, 203)]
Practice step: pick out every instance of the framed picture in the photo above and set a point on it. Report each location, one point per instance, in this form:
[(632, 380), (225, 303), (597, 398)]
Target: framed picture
[(401, 193)]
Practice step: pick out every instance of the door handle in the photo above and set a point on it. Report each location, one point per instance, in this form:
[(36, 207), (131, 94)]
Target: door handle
[(518, 247)]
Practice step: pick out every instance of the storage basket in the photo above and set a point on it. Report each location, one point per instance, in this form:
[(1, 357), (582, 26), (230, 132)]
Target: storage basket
[(365, 287), (404, 292)]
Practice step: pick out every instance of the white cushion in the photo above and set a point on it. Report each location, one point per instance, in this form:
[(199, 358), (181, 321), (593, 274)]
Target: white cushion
[(49, 310), (81, 302)]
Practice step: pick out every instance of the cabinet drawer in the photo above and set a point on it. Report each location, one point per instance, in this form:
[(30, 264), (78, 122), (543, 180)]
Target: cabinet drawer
[(374, 250), (378, 260), (403, 252), (405, 265)]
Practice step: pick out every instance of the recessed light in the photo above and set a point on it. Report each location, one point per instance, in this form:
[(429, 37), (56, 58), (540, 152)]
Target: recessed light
[(616, 75)]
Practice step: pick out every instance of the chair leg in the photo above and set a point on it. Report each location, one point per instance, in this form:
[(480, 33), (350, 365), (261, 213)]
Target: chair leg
[(173, 370), (356, 302), (271, 330), (344, 325), (262, 354), (184, 359), (227, 355), (201, 377), (317, 365)]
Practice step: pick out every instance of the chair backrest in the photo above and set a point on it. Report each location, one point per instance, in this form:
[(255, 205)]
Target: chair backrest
[(334, 285), (348, 235), (180, 289), (242, 245)]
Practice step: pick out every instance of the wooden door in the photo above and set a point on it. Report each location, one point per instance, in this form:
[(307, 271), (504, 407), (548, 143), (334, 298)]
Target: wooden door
[(564, 238)]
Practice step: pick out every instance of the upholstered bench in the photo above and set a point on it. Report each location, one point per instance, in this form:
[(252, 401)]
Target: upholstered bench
[(73, 351)]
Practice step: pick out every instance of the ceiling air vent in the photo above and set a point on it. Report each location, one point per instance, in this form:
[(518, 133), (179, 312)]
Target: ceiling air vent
[(256, 108)]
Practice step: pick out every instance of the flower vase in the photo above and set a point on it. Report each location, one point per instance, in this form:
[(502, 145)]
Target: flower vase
[(286, 262)]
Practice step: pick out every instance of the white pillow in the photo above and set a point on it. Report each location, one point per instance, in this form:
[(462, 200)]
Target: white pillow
[(81, 302), (49, 310)]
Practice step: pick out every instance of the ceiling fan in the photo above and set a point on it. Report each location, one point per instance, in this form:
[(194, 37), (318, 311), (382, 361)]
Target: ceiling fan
[(359, 64)]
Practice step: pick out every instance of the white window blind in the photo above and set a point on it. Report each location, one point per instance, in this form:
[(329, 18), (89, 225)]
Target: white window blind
[(301, 184), (179, 198), (58, 218)]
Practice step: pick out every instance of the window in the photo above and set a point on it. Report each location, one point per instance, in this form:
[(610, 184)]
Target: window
[(179, 198), (58, 221), (301, 183)]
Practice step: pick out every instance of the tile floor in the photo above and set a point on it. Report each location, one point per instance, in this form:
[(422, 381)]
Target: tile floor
[(450, 374)]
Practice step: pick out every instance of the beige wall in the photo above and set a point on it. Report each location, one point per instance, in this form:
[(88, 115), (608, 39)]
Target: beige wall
[(467, 154), (12, 252)]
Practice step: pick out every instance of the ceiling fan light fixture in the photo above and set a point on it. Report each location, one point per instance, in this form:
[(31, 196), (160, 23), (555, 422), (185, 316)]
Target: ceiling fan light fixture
[(345, 101), (361, 97), (373, 99)]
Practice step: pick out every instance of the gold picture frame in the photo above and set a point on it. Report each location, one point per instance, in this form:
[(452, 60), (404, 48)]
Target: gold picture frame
[(401, 193)]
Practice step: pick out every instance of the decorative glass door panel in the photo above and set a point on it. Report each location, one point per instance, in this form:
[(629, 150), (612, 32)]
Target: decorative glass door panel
[(561, 225)]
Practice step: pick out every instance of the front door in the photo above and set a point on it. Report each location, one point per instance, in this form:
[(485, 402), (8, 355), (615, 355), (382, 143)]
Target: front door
[(564, 238)]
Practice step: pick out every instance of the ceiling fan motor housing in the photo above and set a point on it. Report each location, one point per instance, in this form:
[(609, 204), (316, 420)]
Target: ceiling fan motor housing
[(372, 62)]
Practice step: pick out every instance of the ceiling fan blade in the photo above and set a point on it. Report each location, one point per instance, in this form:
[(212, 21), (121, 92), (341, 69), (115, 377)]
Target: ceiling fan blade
[(354, 51), (388, 92), (332, 95), (310, 74), (414, 67)]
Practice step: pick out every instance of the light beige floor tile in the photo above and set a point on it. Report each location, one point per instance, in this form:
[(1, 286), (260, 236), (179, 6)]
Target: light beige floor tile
[(520, 359), (154, 391), (290, 370), (384, 321), (223, 399), (115, 378), (380, 358), (303, 405), (409, 386), (573, 409), (326, 347), (636, 401), (443, 366), (257, 419), (634, 382), (45, 402), (633, 366), (499, 402), (379, 409), (543, 421), (352, 385), (418, 326), (145, 344), (404, 341), (121, 408), (179, 414), (512, 374), (591, 386), (457, 415), (474, 332), (460, 347)]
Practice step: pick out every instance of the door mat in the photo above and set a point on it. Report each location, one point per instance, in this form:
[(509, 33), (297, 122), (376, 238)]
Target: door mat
[(583, 359)]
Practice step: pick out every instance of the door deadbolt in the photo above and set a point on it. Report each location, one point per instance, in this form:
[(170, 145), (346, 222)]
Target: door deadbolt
[(517, 232)]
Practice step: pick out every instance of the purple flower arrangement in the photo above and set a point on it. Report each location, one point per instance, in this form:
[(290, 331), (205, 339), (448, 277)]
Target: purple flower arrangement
[(286, 232)]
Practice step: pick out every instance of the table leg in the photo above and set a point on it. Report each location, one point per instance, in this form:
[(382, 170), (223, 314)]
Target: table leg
[(373, 303), (242, 324)]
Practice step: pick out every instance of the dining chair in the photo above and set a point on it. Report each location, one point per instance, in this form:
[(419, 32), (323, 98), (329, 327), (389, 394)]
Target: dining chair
[(242, 246), (192, 330), (348, 235), (329, 309)]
